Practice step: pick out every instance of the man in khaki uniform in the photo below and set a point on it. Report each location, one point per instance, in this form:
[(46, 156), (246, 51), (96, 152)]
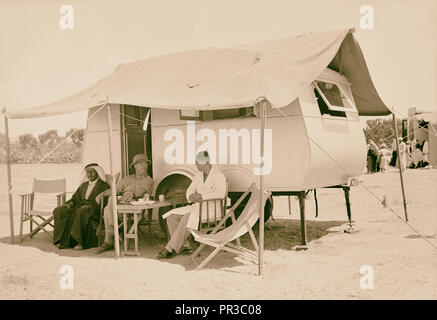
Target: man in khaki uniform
[(129, 187)]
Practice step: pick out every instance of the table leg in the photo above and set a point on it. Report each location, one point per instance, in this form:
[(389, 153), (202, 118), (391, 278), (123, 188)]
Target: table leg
[(136, 232), (149, 216), (125, 231)]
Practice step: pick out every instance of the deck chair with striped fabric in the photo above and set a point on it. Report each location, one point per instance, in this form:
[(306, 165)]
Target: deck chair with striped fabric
[(40, 217), (221, 240)]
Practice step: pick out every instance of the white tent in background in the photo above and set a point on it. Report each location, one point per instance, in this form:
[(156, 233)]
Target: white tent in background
[(414, 130), (266, 74)]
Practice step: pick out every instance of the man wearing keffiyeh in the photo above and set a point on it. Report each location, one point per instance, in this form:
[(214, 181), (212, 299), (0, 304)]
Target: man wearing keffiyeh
[(76, 221)]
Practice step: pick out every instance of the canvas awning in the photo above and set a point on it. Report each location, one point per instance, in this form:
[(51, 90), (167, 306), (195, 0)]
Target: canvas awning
[(208, 79)]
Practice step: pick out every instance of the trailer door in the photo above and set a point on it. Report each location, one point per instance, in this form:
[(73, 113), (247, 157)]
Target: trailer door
[(134, 139)]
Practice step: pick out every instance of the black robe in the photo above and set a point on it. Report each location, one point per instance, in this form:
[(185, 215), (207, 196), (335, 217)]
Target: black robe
[(76, 222)]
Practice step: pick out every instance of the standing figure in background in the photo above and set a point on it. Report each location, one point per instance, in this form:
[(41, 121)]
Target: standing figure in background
[(394, 153), (409, 154), (369, 159), (402, 158), (383, 157), (373, 154), (425, 150)]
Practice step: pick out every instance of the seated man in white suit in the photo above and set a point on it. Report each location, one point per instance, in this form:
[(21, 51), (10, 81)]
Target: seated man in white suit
[(208, 183)]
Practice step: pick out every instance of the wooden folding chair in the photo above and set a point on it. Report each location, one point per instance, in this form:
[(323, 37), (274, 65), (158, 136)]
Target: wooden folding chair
[(41, 218), (221, 240), (208, 220)]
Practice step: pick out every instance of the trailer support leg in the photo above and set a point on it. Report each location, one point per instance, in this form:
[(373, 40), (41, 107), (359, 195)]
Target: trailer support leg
[(346, 190), (303, 231)]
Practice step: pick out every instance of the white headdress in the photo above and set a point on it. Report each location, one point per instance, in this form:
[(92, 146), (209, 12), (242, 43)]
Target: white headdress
[(99, 170)]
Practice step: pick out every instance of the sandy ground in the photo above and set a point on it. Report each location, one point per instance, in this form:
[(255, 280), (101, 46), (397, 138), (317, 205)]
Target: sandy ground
[(404, 265)]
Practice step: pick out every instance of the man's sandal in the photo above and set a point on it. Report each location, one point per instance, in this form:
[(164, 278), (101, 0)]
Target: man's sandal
[(185, 250), (165, 254)]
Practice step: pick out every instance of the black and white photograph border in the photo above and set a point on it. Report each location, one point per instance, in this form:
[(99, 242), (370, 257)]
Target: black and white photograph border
[(218, 150)]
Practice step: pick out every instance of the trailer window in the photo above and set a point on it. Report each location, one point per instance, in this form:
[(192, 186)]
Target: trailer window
[(232, 113), (190, 115), (217, 114), (331, 99), (324, 108)]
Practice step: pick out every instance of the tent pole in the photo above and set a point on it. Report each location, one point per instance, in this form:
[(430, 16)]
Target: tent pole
[(113, 186), (400, 166), (8, 166), (261, 188)]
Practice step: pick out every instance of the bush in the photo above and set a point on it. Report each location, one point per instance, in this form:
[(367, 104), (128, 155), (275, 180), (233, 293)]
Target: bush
[(381, 131), (29, 149)]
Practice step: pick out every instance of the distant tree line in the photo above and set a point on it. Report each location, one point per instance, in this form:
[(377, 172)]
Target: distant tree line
[(382, 131), (30, 149)]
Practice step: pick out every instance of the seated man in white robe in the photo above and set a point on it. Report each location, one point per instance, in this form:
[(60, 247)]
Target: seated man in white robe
[(208, 183), (417, 158), (425, 153)]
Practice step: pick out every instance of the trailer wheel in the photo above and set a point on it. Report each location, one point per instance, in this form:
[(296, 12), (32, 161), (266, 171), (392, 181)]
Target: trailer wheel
[(172, 187)]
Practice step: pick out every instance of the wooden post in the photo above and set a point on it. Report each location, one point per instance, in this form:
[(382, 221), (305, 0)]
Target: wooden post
[(400, 166), (8, 168), (113, 186), (261, 188), (303, 230)]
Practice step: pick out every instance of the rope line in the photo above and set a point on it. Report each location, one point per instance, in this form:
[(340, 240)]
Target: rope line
[(361, 183), (65, 139)]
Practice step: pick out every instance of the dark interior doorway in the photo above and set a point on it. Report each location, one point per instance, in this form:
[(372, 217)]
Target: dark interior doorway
[(134, 139)]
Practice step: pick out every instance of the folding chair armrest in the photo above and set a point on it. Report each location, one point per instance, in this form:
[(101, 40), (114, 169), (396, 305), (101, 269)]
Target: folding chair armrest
[(209, 200), (24, 195), (61, 198), (215, 199), (26, 200)]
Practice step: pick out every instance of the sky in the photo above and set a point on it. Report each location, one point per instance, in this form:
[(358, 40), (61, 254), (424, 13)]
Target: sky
[(40, 62)]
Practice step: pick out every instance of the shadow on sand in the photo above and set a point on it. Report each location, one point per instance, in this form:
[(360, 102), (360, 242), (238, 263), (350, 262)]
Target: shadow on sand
[(279, 234)]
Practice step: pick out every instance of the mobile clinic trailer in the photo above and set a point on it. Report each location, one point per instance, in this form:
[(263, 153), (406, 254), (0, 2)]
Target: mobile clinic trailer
[(307, 92)]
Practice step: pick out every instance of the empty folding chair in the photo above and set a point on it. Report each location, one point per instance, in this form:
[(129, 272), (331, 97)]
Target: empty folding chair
[(41, 218)]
